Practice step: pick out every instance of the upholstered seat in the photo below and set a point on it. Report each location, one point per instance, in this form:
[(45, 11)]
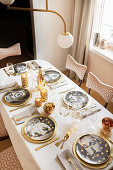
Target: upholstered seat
[(3, 131), (104, 90), (10, 51), (79, 69), (6, 52), (9, 160)]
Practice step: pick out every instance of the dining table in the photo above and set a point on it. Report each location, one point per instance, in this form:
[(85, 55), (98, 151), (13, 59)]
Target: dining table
[(47, 157)]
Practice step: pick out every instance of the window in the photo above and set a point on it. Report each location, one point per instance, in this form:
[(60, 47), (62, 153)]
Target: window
[(103, 19)]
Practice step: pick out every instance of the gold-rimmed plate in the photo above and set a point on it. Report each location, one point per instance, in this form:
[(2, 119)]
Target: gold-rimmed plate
[(92, 150), (39, 129), (17, 97), (76, 99), (51, 76), (20, 68)]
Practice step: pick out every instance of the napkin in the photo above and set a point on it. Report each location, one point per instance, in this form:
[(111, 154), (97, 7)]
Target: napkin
[(7, 85), (25, 115), (92, 109), (57, 84), (66, 164)]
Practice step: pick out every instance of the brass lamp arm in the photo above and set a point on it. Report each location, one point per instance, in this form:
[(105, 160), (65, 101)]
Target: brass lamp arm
[(39, 10)]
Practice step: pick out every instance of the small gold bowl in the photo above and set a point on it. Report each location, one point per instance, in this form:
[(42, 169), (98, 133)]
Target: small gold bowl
[(49, 107)]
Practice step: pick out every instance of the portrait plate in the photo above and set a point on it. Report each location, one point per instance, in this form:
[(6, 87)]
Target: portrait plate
[(20, 68), (51, 76), (38, 129), (92, 149), (76, 99)]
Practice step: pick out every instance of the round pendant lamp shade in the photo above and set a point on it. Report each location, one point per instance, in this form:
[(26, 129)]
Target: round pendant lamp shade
[(65, 40), (7, 2)]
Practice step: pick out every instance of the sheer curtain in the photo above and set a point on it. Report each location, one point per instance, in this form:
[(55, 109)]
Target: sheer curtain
[(82, 25)]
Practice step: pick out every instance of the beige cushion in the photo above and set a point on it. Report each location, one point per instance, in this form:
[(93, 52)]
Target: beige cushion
[(104, 90), (79, 69), (9, 160)]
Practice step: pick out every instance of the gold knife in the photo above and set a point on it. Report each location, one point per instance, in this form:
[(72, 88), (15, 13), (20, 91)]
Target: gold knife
[(20, 107), (6, 72), (20, 118), (52, 140)]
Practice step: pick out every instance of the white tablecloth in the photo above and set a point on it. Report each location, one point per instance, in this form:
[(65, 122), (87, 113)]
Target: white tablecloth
[(46, 158)]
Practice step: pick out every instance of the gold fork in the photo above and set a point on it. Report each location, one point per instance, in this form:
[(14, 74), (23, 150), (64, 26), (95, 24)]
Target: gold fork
[(70, 161)]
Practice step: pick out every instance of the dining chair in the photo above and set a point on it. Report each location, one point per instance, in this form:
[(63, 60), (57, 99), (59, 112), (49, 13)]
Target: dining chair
[(104, 90), (9, 160), (10, 51), (3, 131), (6, 52), (79, 69)]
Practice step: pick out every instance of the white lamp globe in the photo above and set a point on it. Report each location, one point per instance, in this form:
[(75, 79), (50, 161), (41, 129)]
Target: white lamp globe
[(7, 2), (65, 40)]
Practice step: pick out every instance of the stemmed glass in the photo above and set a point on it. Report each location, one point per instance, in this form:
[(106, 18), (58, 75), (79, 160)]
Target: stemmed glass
[(10, 68)]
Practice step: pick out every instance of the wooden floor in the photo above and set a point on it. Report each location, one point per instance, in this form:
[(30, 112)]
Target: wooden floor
[(5, 144)]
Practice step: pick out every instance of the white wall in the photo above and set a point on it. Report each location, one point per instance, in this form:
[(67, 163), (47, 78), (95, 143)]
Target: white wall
[(47, 28)]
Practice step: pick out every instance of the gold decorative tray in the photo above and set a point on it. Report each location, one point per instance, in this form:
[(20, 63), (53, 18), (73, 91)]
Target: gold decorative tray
[(17, 97), (39, 129), (92, 151)]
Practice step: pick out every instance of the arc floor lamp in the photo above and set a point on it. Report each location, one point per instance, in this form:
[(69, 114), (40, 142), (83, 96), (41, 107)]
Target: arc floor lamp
[(65, 39)]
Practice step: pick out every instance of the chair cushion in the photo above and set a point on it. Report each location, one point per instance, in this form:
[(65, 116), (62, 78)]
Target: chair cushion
[(3, 131), (104, 90), (79, 69), (9, 160)]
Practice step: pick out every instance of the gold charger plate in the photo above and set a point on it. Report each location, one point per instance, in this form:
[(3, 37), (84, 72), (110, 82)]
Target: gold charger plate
[(39, 129), (88, 156), (76, 99), (17, 97)]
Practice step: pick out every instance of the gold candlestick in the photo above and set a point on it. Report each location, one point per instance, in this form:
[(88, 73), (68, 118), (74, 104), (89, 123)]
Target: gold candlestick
[(24, 80), (38, 102), (44, 94)]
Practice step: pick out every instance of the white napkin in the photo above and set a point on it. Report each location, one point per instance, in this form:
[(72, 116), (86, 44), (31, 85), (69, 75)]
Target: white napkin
[(89, 111), (26, 113), (7, 85), (66, 164)]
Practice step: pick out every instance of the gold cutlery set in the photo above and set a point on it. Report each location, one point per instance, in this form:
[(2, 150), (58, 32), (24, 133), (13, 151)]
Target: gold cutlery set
[(62, 141)]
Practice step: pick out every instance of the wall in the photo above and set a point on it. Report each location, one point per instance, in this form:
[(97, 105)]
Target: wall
[(47, 28), (102, 68)]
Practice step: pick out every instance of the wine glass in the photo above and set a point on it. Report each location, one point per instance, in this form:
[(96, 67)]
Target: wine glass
[(10, 68)]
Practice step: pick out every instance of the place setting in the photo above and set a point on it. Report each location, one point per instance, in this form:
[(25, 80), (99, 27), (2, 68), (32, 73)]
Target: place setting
[(77, 103), (89, 151), (19, 68), (54, 79)]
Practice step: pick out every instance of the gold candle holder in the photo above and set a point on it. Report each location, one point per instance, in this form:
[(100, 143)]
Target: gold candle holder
[(24, 80), (38, 102), (44, 95)]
